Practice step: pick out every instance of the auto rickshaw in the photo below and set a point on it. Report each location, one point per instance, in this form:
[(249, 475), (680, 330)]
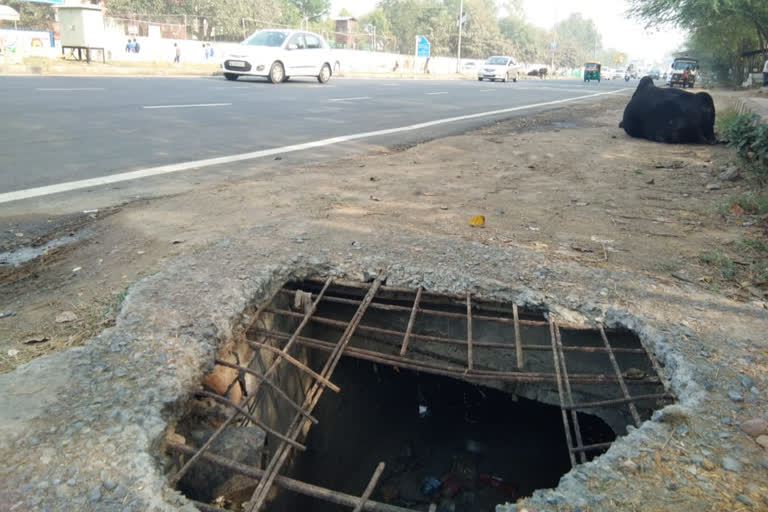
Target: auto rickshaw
[(592, 71)]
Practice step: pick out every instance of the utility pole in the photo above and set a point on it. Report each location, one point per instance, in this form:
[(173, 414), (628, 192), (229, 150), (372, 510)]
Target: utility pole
[(461, 26)]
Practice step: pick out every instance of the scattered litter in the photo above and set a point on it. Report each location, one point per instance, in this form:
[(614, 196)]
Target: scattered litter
[(65, 317), (430, 486), (33, 340), (373, 178), (88, 212), (374, 198), (713, 186), (443, 207), (650, 182), (278, 158), (7, 314), (139, 252), (580, 203), (581, 249), (423, 411), (677, 164), (77, 269), (533, 228), (177, 242), (13, 352), (477, 221)]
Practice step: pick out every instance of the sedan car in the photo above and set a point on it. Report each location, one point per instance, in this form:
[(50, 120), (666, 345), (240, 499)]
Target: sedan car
[(500, 68), (278, 54), (617, 74)]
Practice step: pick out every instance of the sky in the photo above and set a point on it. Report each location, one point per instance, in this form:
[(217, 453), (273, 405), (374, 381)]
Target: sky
[(617, 31)]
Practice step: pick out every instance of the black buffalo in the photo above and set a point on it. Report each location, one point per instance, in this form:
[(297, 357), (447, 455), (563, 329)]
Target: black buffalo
[(669, 115)]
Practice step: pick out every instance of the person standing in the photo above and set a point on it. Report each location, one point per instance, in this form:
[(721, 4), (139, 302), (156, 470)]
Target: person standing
[(686, 77), (765, 72), (177, 57), (136, 46)]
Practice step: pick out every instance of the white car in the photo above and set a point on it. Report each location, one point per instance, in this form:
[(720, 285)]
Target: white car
[(606, 74), (499, 68), (279, 54)]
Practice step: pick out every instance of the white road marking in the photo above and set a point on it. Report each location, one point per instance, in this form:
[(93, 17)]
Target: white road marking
[(488, 90), (69, 89), (351, 99), (435, 93), (209, 162), (150, 107)]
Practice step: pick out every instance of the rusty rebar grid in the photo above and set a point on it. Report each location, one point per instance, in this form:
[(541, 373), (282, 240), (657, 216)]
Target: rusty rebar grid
[(452, 341), (282, 394), (518, 341), (174, 479), (371, 486), (470, 358), (622, 384), (450, 370), (290, 484), (411, 321), (568, 393), (312, 399), (621, 401), (446, 314), (566, 425), (251, 417)]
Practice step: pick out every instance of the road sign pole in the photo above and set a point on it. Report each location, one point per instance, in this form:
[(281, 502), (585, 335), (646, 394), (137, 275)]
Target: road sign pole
[(461, 26)]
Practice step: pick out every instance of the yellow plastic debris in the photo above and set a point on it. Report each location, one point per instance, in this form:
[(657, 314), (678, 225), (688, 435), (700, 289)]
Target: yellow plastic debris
[(478, 221)]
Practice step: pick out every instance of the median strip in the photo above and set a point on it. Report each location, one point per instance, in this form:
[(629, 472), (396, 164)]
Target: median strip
[(435, 93), (196, 105), (209, 162), (351, 99)]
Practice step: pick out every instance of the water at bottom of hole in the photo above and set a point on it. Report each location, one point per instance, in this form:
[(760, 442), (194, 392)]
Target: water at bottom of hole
[(444, 441)]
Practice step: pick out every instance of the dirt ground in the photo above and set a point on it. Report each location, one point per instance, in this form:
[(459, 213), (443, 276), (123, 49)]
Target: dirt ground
[(567, 183)]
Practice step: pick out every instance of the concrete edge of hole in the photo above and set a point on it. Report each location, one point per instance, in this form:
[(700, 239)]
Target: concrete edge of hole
[(83, 428)]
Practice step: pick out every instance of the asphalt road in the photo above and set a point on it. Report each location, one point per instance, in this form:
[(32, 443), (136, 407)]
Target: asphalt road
[(58, 130)]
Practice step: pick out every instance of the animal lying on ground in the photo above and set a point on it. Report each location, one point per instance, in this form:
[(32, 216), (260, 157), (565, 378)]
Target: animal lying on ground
[(670, 115)]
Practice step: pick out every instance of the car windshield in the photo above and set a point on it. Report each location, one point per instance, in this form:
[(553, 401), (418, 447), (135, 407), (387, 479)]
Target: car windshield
[(497, 61), (267, 38), (590, 66), (682, 64)]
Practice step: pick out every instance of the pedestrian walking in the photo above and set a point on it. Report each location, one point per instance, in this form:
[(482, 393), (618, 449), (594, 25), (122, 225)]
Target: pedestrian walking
[(177, 57), (686, 77), (136, 46), (205, 51), (765, 72)]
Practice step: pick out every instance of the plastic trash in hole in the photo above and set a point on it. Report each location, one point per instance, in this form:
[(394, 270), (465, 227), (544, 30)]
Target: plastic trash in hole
[(430, 486)]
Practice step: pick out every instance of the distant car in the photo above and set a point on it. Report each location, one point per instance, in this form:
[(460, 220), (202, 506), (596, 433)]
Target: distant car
[(606, 74), (500, 68), (470, 66), (617, 74), (278, 54), (655, 74)]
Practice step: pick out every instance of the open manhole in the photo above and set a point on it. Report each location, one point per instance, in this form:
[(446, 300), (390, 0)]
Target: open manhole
[(369, 397)]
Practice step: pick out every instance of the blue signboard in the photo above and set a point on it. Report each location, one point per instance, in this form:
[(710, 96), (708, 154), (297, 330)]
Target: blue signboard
[(422, 46)]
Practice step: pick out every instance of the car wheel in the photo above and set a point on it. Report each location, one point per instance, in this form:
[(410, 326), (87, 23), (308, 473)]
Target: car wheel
[(230, 76), (479, 79), (276, 73), (325, 74), (504, 80)]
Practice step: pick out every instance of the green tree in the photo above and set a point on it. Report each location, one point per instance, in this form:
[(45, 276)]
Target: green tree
[(33, 16), (704, 14), (312, 9), (578, 40)]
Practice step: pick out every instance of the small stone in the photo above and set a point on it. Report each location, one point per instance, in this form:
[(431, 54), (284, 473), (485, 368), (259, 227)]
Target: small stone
[(743, 498), (747, 381), (629, 466), (762, 441), (713, 186), (707, 465), (725, 420), (755, 427), (110, 485), (65, 317), (731, 464), (731, 173), (735, 396), (682, 430), (94, 495)]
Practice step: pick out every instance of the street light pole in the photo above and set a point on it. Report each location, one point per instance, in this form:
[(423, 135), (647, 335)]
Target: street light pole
[(461, 26)]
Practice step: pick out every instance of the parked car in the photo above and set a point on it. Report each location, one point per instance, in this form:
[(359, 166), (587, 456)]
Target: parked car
[(278, 54), (500, 68)]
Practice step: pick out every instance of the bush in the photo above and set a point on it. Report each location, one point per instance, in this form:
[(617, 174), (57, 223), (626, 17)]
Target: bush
[(748, 133)]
